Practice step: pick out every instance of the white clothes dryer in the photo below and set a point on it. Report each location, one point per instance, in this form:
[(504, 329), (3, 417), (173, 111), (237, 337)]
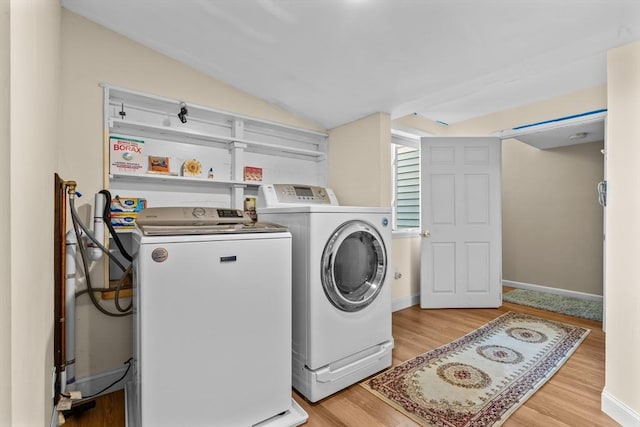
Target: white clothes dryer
[(341, 331)]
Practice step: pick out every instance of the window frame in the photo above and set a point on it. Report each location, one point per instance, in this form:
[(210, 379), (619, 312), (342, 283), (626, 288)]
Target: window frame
[(402, 139)]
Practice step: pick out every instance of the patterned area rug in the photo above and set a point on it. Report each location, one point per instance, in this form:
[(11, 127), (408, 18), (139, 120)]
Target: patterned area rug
[(481, 378), (577, 307)]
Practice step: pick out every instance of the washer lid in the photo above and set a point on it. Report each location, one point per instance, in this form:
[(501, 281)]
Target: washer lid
[(173, 221), (179, 230)]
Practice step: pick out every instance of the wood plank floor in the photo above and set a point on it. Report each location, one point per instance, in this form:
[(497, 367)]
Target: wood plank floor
[(570, 398)]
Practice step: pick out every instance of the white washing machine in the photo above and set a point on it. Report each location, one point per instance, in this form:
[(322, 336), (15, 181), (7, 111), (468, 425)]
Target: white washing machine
[(212, 321), (341, 330)]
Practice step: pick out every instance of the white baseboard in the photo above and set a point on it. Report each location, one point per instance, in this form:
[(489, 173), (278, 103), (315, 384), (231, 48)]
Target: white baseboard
[(617, 410), (405, 302), (555, 291), (93, 384), (408, 301)]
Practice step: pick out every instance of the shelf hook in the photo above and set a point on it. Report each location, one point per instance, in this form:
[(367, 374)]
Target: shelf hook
[(182, 115)]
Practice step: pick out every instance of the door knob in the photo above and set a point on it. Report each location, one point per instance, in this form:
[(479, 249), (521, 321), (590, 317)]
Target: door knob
[(426, 234)]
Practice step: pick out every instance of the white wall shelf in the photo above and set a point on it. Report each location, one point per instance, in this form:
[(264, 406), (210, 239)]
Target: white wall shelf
[(184, 181), (192, 136), (223, 141)]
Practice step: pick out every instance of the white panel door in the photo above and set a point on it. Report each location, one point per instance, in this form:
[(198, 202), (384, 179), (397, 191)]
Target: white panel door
[(461, 251)]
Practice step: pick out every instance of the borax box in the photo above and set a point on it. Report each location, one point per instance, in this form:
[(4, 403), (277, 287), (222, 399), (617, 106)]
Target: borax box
[(126, 155)]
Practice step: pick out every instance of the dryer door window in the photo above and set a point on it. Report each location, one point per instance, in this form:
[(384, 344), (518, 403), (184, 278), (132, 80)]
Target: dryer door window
[(354, 266)]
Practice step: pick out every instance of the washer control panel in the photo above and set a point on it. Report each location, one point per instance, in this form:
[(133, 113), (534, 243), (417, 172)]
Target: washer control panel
[(285, 194), (174, 216)]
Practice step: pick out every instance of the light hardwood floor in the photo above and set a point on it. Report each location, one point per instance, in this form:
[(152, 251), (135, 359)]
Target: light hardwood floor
[(570, 398)]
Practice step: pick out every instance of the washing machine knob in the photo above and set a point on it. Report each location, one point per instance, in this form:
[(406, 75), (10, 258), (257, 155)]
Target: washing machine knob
[(199, 212)]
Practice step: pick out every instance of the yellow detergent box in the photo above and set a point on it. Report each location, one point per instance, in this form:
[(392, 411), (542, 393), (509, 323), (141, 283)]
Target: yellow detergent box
[(123, 220), (128, 204)]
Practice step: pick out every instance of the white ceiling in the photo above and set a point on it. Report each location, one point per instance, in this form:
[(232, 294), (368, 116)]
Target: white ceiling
[(334, 61), (560, 132), (563, 136)]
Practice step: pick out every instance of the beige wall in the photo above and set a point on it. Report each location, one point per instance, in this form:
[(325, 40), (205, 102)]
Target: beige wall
[(622, 371), (5, 226), (92, 55), (360, 161), (552, 222), (406, 261), (34, 66), (415, 122)]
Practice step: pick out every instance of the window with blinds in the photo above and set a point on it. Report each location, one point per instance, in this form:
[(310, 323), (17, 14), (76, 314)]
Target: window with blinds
[(406, 187)]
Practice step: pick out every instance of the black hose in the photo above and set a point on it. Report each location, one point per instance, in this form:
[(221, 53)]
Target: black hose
[(85, 264), (91, 237), (128, 362), (119, 286), (107, 220)]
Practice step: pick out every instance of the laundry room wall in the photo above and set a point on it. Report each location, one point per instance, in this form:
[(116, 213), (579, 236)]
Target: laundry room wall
[(29, 135), (552, 221), (92, 54), (621, 396), (5, 225), (405, 272), (360, 161)]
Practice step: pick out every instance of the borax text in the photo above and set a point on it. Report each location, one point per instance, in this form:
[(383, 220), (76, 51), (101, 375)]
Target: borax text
[(127, 147)]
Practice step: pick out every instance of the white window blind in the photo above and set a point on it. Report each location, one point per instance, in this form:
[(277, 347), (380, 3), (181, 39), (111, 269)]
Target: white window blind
[(406, 170), (407, 187)]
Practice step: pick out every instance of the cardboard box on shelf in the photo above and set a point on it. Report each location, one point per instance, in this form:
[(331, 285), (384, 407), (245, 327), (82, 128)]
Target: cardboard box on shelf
[(159, 164), (252, 173), (123, 220), (126, 155), (128, 204), (124, 211), (250, 208)]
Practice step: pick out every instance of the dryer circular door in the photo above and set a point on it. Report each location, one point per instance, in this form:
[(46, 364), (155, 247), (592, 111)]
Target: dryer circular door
[(354, 266)]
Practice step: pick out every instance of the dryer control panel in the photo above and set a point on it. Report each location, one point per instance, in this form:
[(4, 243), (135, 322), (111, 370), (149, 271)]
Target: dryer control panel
[(272, 195)]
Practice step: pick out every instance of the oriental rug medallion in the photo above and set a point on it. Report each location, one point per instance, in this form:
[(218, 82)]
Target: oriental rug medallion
[(481, 378)]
